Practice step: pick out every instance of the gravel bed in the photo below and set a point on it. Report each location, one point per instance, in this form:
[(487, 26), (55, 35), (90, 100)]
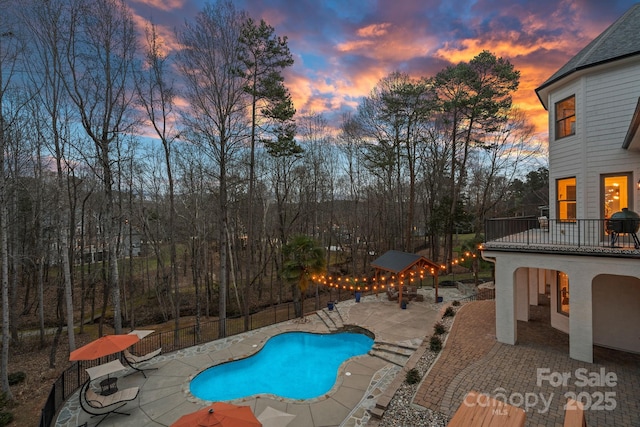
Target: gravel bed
[(400, 412)]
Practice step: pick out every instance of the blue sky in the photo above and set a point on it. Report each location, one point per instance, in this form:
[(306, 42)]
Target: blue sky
[(343, 48)]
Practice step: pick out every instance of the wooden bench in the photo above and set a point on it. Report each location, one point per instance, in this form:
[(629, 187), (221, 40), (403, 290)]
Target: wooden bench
[(481, 410), (574, 414)]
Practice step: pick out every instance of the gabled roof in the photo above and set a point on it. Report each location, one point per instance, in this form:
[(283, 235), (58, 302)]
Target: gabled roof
[(620, 40), (396, 262), (632, 139)]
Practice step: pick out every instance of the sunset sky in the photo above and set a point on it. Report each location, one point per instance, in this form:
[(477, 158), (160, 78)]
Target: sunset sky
[(342, 48)]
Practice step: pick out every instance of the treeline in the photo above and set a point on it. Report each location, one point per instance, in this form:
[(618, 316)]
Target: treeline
[(191, 151)]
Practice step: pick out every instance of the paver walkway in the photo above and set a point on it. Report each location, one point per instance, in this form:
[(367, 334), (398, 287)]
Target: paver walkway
[(473, 360)]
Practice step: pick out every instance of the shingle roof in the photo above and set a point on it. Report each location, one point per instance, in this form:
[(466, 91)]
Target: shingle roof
[(397, 262), (620, 40)]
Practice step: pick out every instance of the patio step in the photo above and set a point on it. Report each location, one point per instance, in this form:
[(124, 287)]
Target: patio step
[(392, 353), (331, 318)]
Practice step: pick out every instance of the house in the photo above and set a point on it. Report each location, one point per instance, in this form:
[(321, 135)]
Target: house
[(579, 258)]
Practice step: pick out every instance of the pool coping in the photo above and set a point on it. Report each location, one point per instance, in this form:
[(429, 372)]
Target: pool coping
[(164, 395)]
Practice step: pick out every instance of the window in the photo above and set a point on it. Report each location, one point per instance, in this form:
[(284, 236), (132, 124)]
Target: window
[(616, 193), (563, 293), (566, 192), (566, 117)]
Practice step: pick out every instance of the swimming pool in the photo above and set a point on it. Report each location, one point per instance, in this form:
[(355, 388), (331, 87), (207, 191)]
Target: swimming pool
[(295, 365)]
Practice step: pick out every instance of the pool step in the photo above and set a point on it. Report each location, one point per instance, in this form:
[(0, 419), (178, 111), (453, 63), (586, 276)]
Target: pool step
[(392, 353), (331, 318)]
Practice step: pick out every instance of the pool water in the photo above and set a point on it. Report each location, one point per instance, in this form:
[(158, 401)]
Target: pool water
[(295, 365)]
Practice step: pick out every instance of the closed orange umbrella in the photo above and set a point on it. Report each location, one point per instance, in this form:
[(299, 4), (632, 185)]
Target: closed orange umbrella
[(219, 414), (103, 346)]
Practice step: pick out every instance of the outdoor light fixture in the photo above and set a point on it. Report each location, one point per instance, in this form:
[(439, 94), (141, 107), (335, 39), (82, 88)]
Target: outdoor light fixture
[(638, 184)]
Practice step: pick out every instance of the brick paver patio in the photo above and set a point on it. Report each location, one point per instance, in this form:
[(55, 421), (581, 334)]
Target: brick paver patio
[(472, 359)]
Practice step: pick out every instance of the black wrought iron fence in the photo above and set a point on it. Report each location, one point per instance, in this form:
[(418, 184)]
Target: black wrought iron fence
[(75, 375), (581, 233), (480, 295)]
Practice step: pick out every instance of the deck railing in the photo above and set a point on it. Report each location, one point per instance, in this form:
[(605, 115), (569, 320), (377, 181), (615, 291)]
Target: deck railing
[(587, 235)]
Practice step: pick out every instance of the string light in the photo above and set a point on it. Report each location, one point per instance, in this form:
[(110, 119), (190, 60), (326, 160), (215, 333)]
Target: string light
[(365, 283)]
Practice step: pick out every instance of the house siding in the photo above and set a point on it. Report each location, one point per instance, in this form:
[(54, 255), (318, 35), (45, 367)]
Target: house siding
[(564, 151), (605, 102), (611, 96)]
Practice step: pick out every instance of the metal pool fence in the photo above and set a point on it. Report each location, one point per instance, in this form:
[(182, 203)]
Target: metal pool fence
[(75, 375)]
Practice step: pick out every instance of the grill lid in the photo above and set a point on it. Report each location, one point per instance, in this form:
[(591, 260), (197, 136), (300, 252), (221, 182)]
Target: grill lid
[(625, 221)]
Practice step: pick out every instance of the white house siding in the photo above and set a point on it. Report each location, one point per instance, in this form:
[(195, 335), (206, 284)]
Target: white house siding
[(563, 153), (605, 102), (611, 96), (588, 305)]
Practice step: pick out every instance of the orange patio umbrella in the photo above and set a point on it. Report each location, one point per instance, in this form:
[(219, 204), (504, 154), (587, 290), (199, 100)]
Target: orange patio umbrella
[(103, 346), (219, 414)]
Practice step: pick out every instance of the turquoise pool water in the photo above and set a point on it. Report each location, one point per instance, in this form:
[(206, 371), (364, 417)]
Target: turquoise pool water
[(295, 365)]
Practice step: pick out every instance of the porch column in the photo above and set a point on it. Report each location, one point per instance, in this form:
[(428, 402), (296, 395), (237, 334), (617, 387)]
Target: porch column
[(506, 325), (533, 286), (581, 315), (522, 294)]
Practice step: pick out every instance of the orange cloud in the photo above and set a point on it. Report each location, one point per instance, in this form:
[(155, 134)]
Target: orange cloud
[(166, 36), (385, 42), (374, 30), (166, 5)]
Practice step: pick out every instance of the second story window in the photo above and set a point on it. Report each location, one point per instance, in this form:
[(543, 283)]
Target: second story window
[(566, 191), (566, 117)]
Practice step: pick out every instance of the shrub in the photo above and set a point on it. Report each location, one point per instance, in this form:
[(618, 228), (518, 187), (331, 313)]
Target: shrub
[(413, 376), (435, 343), (449, 312), (455, 303), (16, 377), (5, 418), (439, 328)]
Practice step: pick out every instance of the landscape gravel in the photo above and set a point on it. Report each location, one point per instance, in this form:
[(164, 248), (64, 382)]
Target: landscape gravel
[(401, 412)]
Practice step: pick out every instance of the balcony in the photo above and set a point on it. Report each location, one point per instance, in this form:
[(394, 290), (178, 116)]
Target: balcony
[(601, 237)]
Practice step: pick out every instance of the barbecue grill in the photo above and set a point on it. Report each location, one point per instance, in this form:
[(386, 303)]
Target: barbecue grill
[(624, 222)]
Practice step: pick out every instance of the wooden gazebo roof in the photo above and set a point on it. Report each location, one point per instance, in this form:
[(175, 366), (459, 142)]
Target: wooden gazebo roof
[(399, 263)]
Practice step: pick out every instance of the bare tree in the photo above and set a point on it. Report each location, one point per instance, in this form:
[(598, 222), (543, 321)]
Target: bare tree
[(216, 118), (264, 56), (100, 47), (157, 96), (46, 21), (391, 121), (10, 47), (504, 155)]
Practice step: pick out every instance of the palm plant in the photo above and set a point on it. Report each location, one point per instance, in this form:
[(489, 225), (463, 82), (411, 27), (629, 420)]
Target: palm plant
[(302, 259)]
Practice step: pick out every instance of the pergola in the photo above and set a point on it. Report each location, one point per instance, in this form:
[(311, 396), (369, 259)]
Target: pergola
[(403, 264)]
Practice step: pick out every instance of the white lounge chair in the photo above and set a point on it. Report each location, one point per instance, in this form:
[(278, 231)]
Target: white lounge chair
[(133, 360), (98, 405)]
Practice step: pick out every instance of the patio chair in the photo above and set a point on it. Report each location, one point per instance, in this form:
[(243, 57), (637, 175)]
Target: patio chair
[(98, 405), (133, 360)]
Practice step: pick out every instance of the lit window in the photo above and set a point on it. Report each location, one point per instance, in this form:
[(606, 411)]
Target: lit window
[(566, 191), (563, 293), (566, 117), (615, 193)]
